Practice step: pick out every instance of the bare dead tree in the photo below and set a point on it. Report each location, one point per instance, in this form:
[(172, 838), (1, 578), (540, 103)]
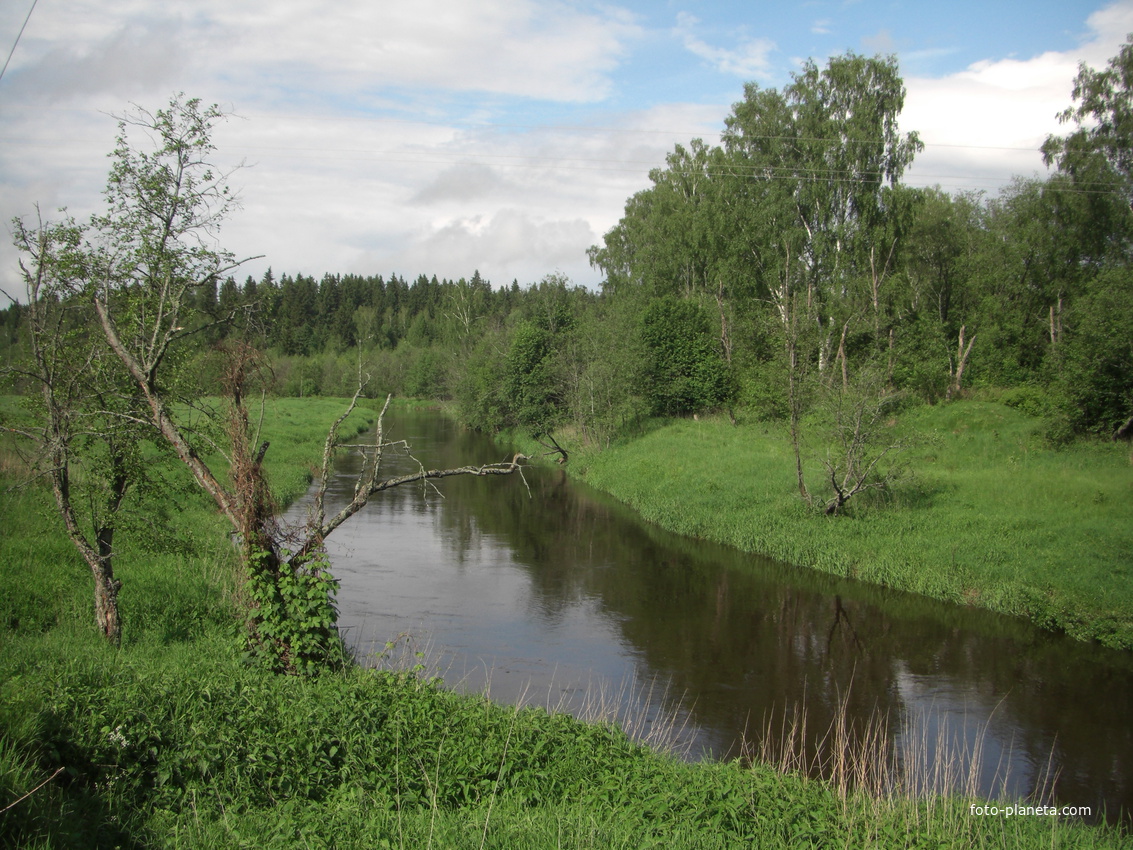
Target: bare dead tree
[(369, 481), (956, 369), (861, 453)]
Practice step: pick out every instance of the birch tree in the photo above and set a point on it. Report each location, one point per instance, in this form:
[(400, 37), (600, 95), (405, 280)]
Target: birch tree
[(136, 270)]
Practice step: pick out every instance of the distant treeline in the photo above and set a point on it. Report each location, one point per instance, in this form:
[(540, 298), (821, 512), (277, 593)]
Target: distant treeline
[(760, 275)]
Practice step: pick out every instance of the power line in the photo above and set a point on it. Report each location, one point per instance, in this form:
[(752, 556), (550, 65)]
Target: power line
[(619, 165), (624, 166), (375, 121), (17, 41)]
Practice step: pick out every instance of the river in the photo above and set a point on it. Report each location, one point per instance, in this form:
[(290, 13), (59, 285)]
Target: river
[(543, 591)]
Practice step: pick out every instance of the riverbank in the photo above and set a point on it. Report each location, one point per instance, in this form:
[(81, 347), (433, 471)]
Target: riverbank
[(173, 741), (991, 518)]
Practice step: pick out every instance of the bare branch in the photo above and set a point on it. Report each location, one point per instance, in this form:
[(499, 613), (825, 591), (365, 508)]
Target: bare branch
[(506, 468), (368, 483), (329, 451)]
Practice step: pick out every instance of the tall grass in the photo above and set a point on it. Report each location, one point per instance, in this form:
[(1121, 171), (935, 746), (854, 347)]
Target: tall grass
[(644, 710), (929, 760), (992, 518)]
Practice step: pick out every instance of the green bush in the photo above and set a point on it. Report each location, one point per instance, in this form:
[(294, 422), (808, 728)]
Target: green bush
[(684, 370), (1030, 399), (1096, 372), (294, 618)]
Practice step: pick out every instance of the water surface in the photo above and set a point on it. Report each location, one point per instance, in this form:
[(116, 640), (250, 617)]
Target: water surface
[(545, 591)]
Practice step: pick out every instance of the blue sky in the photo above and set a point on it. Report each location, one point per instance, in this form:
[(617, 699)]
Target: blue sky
[(445, 136)]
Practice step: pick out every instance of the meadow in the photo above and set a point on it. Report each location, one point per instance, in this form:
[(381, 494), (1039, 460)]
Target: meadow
[(176, 740), (991, 516)]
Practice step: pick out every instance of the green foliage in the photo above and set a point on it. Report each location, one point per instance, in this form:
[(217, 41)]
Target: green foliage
[(604, 372), (427, 375), (480, 396), (191, 749), (993, 518), (1031, 399), (293, 627), (529, 381), (760, 390), (1096, 372), (1097, 158), (684, 372), (921, 359)]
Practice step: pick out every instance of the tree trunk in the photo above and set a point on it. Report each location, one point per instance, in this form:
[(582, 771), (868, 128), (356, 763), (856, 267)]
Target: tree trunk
[(106, 589), (841, 355), (1056, 322), (725, 333), (961, 361), (1125, 431), (794, 400), (100, 561)]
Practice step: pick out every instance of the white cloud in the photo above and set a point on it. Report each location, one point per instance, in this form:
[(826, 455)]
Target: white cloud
[(514, 47), (422, 198), (502, 246), (128, 62), (335, 175), (750, 59), (880, 42), (466, 181), (984, 125)]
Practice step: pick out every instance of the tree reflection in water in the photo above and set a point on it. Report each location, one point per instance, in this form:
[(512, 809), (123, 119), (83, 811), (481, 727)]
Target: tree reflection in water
[(550, 588)]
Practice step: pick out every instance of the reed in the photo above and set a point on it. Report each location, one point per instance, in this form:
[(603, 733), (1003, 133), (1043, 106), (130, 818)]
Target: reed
[(646, 711), (922, 758)]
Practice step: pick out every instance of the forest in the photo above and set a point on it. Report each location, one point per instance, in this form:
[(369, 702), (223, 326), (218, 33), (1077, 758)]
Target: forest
[(760, 275)]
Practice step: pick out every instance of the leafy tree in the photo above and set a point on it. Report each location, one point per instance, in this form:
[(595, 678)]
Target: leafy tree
[(464, 306), (87, 432), (1095, 193), (1097, 158), (140, 266), (684, 371), (529, 380), (228, 301), (821, 158), (1097, 379), (481, 398), (817, 165), (604, 367)]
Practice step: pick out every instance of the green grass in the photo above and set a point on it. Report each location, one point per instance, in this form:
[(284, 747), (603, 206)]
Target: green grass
[(991, 518), (187, 747), (173, 741)]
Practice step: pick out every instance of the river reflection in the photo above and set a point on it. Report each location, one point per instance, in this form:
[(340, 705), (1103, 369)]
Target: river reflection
[(548, 592)]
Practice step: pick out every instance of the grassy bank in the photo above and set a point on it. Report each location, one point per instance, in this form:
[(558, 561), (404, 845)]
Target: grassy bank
[(991, 518), (172, 741)]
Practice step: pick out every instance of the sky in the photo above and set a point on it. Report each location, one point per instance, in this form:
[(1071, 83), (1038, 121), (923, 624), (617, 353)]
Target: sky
[(502, 136)]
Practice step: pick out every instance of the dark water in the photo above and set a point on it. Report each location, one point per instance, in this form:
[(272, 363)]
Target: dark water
[(550, 593)]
